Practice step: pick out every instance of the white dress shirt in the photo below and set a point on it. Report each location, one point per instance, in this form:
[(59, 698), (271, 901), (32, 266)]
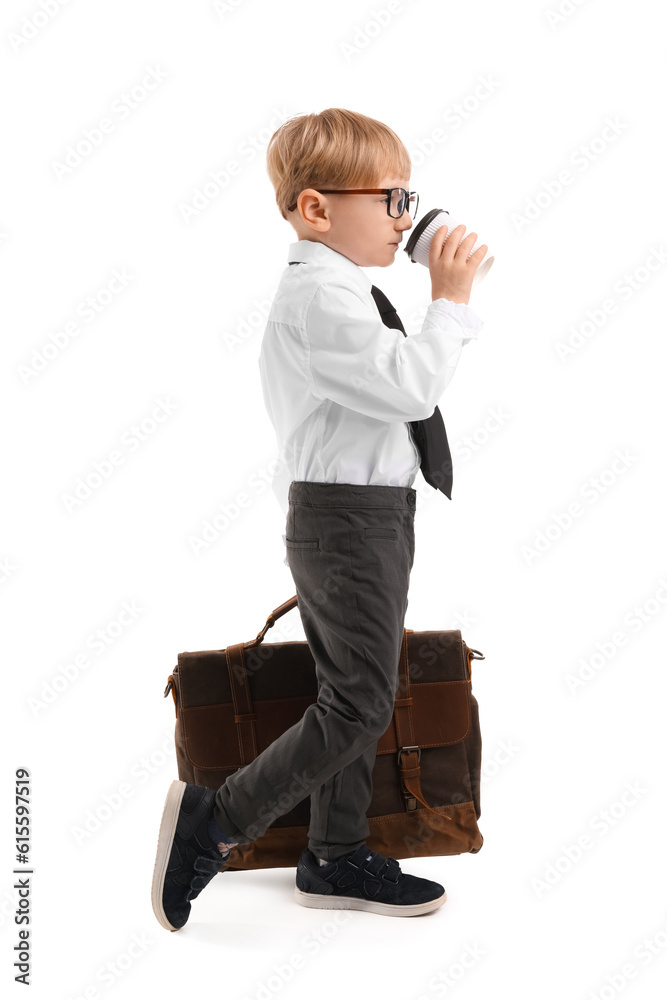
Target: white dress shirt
[(339, 386)]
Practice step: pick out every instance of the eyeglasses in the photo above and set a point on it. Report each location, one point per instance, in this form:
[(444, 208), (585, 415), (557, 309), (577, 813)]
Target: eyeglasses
[(398, 199)]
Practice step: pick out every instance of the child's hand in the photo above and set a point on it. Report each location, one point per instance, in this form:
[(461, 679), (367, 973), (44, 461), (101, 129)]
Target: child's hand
[(451, 273)]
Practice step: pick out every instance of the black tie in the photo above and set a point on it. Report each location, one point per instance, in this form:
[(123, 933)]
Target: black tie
[(430, 435)]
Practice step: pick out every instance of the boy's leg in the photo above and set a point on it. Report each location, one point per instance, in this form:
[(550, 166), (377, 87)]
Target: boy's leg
[(350, 554), (381, 558), (338, 823)]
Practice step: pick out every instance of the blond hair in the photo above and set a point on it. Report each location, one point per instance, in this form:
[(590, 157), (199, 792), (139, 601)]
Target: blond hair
[(336, 148)]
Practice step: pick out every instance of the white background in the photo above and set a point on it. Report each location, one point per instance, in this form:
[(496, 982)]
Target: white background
[(540, 600)]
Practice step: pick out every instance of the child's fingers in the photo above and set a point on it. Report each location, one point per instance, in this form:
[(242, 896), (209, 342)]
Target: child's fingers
[(439, 238), (464, 249), (451, 244)]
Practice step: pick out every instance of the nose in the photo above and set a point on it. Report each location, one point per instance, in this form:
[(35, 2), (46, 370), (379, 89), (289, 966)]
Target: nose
[(405, 222)]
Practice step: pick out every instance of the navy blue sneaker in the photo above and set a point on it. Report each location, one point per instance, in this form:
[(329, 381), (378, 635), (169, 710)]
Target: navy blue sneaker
[(365, 880), (186, 859)]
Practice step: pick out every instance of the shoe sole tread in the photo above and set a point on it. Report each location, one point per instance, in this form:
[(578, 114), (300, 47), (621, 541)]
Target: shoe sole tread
[(333, 902), (168, 823)]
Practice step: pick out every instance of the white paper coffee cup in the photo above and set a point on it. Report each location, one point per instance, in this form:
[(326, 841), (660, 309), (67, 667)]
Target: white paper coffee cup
[(418, 245)]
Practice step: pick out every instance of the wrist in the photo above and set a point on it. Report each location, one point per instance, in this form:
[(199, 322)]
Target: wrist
[(450, 298)]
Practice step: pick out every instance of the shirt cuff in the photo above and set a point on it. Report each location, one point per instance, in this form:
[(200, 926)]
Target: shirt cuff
[(469, 322)]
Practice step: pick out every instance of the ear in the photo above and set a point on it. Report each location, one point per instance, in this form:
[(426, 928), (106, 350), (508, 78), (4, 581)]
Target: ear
[(314, 210)]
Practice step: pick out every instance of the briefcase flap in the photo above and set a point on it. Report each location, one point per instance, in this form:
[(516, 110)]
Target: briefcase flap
[(282, 684)]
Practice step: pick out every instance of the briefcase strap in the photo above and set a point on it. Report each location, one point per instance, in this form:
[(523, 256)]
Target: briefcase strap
[(243, 707), (409, 753)]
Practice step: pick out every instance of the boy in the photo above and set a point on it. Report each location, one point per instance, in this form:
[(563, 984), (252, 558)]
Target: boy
[(340, 387)]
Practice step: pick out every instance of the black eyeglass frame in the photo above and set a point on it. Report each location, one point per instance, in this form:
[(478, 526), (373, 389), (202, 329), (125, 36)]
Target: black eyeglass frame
[(387, 191)]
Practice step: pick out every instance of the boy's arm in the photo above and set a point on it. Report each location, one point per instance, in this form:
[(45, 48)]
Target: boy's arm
[(357, 361)]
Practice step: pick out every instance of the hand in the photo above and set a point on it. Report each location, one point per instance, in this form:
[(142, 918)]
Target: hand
[(451, 273)]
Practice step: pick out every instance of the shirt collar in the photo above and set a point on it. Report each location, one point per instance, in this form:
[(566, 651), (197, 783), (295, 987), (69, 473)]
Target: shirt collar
[(308, 250)]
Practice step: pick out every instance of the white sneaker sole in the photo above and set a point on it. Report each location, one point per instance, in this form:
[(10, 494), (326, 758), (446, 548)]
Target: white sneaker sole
[(356, 903), (165, 841)]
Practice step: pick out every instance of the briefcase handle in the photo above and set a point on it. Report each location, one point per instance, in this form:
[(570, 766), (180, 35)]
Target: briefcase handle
[(277, 613), (282, 609)]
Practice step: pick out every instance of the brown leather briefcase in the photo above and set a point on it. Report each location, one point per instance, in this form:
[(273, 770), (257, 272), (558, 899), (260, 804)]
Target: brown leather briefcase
[(232, 703)]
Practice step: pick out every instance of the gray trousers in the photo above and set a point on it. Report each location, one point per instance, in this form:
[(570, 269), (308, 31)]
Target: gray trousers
[(350, 550)]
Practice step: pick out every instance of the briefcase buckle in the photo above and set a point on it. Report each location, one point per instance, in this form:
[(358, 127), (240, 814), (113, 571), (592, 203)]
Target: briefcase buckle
[(410, 800), (405, 750)]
